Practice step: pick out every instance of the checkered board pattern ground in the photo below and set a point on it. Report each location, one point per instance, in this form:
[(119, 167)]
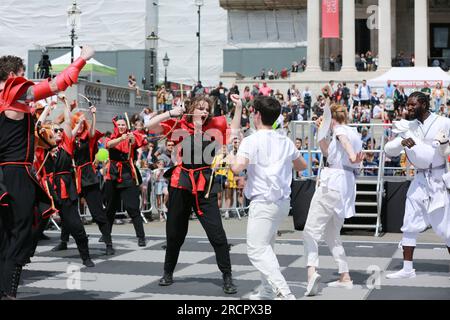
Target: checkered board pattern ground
[(133, 272)]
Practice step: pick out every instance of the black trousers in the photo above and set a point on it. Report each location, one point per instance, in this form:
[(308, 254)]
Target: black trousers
[(93, 198), (130, 198), (71, 222), (181, 203), (16, 222)]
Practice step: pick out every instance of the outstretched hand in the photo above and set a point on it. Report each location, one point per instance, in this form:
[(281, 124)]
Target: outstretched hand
[(357, 158)]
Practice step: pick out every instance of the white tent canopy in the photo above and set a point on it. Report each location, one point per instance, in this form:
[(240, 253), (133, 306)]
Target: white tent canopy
[(412, 77), (92, 67)]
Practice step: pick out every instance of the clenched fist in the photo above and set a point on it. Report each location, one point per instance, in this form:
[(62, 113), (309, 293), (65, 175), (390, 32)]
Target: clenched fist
[(87, 52)]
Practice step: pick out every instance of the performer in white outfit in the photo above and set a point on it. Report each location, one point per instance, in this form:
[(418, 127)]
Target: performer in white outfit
[(269, 158), (428, 199), (334, 199)]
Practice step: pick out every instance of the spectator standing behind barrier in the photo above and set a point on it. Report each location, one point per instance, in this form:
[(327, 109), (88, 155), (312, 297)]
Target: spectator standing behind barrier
[(161, 192), (307, 99), (346, 95), (438, 96), (198, 89), (161, 98), (230, 184), (426, 90), (168, 100), (265, 90), (389, 90), (220, 173), (167, 154), (364, 94)]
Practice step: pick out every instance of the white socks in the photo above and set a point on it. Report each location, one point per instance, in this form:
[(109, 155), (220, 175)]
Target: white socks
[(407, 265)]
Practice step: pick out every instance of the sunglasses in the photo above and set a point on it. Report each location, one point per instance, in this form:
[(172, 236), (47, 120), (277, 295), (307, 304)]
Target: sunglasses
[(58, 130)]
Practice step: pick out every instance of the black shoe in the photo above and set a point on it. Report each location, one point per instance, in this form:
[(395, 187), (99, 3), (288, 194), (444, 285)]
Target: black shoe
[(101, 239), (166, 280), (44, 237), (141, 242), (110, 250), (88, 263), (228, 286), (60, 247)]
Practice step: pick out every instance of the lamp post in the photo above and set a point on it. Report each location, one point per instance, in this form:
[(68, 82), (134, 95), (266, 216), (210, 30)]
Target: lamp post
[(153, 44), (199, 4), (73, 22), (166, 61)]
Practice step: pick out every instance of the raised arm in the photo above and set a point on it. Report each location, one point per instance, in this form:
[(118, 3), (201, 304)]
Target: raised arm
[(93, 110), (66, 125), (44, 114), (236, 122), (155, 122), (61, 82)]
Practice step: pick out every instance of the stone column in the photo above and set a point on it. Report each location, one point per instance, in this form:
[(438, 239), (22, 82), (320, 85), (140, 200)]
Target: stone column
[(348, 35), (384, 35), (313, 49), (421, 35)]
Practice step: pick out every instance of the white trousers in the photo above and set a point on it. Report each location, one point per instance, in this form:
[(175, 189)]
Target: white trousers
[(323, 222), (264, 218), (417, 219)]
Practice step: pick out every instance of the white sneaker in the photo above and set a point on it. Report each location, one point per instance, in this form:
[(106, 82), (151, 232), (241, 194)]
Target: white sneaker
[(290, 296), (262, 295), (341, 284), (402, 274), (313, 285)]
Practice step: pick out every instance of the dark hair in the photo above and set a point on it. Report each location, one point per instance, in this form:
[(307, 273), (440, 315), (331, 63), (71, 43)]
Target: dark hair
[(193, 103), (422, 98), (269, 108), (10, 64), (299, 139)]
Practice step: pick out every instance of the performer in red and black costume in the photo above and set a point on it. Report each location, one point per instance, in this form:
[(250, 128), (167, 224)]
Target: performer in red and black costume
[(18, 189), (87, 181), (57, 173), (122, 180), (197, 134)]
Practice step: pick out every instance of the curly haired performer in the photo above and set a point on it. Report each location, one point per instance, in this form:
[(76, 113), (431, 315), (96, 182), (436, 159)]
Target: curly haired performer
[(189, 181)]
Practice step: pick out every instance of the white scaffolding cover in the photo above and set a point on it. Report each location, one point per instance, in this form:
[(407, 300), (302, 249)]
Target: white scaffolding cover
[(178, 26), (105, 24)]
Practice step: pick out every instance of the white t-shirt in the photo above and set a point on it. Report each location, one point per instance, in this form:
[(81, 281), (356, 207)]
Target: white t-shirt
[(365, 95), (337, 156), (269, 173)]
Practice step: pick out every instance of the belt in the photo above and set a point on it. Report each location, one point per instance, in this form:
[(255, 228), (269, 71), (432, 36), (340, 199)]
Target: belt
[(355, 171), (119, 165), (12, 163), (442, 166), (78, 174), (194, 184)]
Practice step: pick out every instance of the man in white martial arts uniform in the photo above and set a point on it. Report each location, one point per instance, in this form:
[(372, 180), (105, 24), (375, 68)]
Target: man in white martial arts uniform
[(333, 200), (428, 199), (269, 158)]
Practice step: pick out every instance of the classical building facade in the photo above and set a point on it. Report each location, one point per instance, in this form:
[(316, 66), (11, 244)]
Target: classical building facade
[(390, 29)]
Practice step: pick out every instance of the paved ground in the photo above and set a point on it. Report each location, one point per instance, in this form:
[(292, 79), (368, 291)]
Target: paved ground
[(133, 272)]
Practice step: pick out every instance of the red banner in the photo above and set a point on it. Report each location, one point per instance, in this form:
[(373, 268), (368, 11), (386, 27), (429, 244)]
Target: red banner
[(330, 19)]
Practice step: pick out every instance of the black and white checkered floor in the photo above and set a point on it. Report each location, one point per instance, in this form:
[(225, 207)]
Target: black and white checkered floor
[(133, 272)]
